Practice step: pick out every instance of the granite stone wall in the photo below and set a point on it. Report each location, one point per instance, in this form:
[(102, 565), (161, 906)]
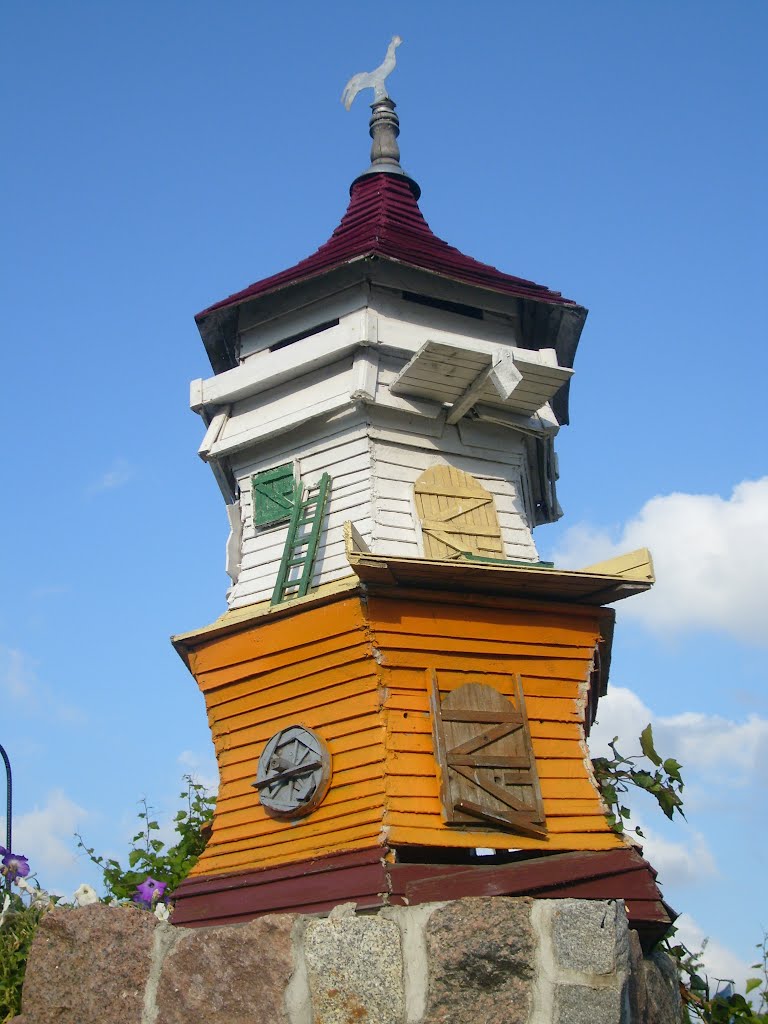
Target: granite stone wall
[(498, 960)]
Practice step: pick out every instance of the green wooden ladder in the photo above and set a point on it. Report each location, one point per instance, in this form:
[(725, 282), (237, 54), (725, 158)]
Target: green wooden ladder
[(302, 540)]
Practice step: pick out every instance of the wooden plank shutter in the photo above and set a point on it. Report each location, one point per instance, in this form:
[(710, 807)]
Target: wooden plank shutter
[(485, 759), (273, 495), (457, 515)]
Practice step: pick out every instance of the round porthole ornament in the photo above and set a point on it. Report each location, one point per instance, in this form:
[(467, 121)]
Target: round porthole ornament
[(294, 772)]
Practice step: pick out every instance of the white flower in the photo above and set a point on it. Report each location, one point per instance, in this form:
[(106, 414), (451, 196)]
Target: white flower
[(39, 897), (162, 913), (84, 895), (4, 911)]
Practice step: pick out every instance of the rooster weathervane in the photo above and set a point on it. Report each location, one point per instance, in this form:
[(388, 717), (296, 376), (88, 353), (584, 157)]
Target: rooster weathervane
[(372, 79)]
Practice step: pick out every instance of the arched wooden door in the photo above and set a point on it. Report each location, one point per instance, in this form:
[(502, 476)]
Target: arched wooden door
[(483, 750), (457, 515)]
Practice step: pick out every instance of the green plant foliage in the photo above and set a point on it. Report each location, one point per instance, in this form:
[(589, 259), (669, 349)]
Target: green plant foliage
[(149, 856), (17, 931), (647, 771), (152, 868), (725, 1006)]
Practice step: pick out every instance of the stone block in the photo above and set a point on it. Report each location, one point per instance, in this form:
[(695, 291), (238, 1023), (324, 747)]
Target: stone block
[(581, 1004), (636, 991), (89, 966), (663, 1004), (229, 974), (481, 962), (590, 937), (355, 970)]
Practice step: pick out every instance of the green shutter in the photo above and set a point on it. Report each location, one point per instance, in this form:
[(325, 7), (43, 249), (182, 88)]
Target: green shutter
[(273, 495)]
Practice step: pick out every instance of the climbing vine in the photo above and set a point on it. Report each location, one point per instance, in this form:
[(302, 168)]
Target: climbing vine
[(648, 771)]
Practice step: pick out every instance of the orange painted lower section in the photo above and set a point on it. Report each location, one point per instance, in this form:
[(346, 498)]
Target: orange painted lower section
[(356, 671)]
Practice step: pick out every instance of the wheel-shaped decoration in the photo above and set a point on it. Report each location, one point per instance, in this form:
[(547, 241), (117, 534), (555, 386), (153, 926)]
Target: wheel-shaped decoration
[(294, 772)]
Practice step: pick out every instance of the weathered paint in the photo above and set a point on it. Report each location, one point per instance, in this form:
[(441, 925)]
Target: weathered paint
[(355, 668)]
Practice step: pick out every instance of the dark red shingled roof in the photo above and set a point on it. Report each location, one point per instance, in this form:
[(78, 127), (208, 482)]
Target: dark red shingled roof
[(383, 219)]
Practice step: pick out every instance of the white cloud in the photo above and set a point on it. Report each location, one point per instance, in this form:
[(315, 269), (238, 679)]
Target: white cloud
[(710, 555), (45, 834), (712, 744), (718, 749), (120, 473), (719, 962), (17, 675), (679, 864), (620, 713)]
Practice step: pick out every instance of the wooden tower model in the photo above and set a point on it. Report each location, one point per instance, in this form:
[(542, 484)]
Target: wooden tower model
[(400, 690)]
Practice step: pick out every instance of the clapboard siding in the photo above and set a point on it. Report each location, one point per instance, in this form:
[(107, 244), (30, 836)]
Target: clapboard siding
[(356, 670), (550, 649), (346, 457), (395, 469), (315, 671), (304, 442), (403, 324), (257, 340), (279, 405), (373, 456), (372, 486)]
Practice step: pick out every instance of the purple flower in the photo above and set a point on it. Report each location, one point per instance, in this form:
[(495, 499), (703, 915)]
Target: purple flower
[(14, 865), (149, 891)]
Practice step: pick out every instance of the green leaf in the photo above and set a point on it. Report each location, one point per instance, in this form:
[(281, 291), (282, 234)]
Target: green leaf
[(753, 983), (644, 780), (672, 768), (609, 793), (646, 745), (668, 802)]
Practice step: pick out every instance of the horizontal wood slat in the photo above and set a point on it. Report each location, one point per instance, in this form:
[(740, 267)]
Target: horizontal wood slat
[(272, 637), (342, 840), (233, 682), (356, 672)]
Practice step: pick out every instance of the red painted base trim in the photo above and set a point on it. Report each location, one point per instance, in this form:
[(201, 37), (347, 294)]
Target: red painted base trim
[(306, 887), (368, 879)]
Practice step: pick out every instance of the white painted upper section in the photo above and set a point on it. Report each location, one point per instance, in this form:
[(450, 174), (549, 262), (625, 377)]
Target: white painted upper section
[(326, 403)]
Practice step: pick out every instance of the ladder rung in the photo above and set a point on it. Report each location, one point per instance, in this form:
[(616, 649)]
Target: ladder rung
[(307, 515)]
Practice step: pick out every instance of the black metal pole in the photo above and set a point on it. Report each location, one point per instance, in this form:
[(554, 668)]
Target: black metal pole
[(9, 801)]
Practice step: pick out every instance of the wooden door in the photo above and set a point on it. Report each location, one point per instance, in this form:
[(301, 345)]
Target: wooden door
[(485, 759), (457, 515)]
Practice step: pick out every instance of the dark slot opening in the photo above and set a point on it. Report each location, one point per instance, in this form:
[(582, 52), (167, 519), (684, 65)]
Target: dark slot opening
[(303, 334), (449, 307)]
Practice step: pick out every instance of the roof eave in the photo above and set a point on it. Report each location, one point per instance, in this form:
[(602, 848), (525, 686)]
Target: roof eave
[(548, 322)]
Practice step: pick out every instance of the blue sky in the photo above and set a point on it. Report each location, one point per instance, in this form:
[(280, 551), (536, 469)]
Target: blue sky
[(160, 156)]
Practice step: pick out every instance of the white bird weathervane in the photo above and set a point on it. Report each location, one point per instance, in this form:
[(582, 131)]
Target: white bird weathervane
[(372, 79)]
